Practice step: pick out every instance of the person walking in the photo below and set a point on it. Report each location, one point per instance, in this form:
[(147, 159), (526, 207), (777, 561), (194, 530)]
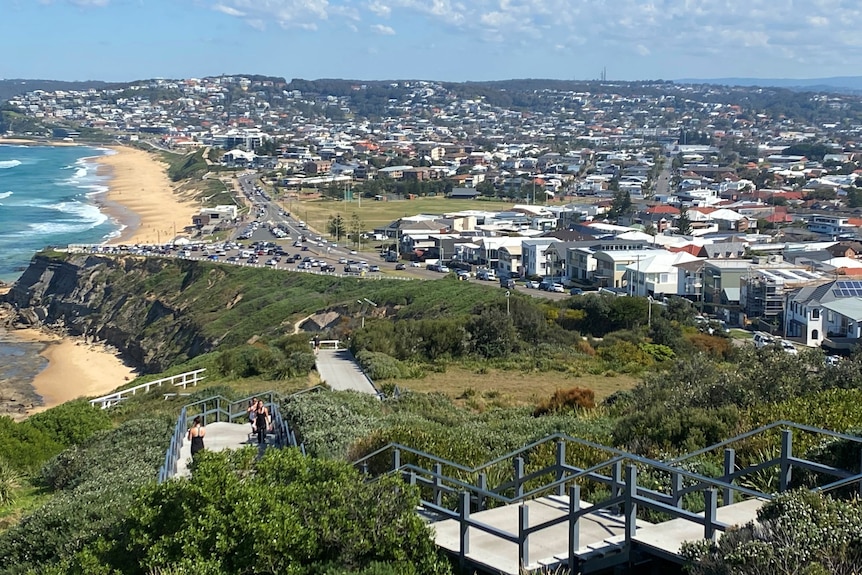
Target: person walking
[(252, 408), (196, 435), (261, 422)]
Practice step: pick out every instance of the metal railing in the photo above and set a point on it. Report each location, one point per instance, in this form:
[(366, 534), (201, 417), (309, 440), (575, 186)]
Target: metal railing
[(454, 491), (221, 409), (182, 380)]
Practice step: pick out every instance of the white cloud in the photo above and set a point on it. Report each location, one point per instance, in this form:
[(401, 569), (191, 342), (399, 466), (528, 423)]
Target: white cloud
[(228, 10), (382, 30)]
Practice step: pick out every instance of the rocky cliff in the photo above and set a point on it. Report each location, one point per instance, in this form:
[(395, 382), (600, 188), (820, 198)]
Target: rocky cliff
[(113, 300)]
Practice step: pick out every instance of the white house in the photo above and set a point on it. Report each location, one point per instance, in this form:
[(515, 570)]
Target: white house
[(534, 259), (829, 314), (656, 273)]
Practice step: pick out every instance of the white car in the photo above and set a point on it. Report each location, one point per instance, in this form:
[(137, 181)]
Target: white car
[(353, 252), (532, 284), (415, 265), (788, 347), (559, 288)]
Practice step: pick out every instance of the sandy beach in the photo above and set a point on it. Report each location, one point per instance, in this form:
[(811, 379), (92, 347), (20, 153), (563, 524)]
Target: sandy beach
[(142, 198), (75, 368)]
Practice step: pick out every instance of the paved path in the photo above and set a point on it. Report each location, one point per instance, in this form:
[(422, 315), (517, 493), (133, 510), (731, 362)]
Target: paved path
[(340, 371), (220, 436)]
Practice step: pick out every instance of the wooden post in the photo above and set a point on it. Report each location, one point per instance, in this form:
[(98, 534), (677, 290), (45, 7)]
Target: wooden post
[(464, 530), (616, 475), (574, 527), (786, 454), (561, 461), (729, 467), (483, 487), (676, 488), (710, 497), (631, 508), (519, 474), (523, 538), (438, 493)]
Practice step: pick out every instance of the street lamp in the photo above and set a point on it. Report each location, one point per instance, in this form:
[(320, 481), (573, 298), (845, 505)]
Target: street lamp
[(507, 302), (363, 303), (649, 312)]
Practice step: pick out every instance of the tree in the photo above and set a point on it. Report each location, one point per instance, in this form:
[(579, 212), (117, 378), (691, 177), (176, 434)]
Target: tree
[(683, 223), (621, 205), (336, 226), (492, 333), (355, 228)]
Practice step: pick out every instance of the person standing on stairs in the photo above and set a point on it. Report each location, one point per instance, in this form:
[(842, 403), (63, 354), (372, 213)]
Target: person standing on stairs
[(261, 422), (196, 435)]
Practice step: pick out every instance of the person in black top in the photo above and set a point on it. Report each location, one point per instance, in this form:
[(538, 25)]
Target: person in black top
[(261, 422), (196, 435)]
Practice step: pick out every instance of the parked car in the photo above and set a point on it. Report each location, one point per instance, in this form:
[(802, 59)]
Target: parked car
[(558, 288), (400, 267), (576, 291), (415, 265), (374, 269), (761, 340), (832, 360), (532, 284), (788, 347)]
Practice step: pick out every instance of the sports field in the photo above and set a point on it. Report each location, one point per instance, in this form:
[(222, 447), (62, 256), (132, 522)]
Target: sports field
[(374, 214)]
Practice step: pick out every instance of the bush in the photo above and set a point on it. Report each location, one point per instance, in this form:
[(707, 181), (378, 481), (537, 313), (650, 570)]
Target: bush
[(572, 399), (10, 481), (98, 481)]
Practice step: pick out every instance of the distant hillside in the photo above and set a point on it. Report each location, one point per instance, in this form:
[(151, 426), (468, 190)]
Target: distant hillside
[(833, 84), (11, 88)]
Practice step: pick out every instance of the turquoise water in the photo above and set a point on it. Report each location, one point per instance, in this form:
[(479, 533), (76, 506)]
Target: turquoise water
[(47, 198)]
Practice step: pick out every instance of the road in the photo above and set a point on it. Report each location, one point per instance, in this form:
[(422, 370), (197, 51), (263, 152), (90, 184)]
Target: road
[(338, 368)]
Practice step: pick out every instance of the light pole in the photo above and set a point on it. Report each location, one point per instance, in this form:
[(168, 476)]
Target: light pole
[(649, 312), (363, 303), (507, 302)]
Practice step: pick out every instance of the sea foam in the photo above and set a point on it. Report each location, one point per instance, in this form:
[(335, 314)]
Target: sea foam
[(5, 195), (6, 164)]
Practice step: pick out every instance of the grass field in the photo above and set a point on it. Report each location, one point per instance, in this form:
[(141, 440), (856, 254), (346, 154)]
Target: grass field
[(316, 212), (512, 387)]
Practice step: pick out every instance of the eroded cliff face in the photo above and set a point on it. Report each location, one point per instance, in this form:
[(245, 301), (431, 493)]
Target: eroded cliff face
[(108, 299)]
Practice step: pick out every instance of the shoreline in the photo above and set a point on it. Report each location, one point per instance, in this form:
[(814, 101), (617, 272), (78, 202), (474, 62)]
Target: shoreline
[(141, 198), (95, 368), (26, 142), (74, 368)]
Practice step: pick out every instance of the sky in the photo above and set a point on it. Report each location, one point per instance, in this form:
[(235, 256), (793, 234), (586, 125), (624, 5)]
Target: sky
[(450, 40)]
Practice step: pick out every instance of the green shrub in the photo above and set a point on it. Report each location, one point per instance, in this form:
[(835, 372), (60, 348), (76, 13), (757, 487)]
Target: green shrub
[(96, 492), (10, 481), (72, 422)]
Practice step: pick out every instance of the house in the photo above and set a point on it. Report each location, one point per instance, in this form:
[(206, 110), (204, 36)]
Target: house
[(656, 274), (534, 259), (509, 264), (829, 315)]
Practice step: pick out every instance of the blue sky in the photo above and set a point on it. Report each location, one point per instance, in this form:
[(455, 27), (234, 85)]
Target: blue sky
[(121, 40)]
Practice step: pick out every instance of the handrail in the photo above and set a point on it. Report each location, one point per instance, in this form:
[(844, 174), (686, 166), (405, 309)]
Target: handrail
[(185, 379), (228, 410)]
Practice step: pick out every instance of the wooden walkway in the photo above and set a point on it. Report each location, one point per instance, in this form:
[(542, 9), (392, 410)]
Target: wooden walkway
[(219, 436), (601, 535)]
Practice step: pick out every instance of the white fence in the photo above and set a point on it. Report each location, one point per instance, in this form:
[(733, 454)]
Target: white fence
[(324, 342), (182, 380)]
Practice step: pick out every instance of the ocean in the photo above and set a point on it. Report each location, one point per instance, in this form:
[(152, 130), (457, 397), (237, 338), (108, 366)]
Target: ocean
[(47, 198)]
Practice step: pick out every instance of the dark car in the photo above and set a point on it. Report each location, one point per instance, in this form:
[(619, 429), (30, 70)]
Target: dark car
[(400, 267), (576, 291)]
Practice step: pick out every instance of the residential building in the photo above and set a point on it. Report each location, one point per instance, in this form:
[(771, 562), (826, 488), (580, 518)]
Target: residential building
[(829, 315)]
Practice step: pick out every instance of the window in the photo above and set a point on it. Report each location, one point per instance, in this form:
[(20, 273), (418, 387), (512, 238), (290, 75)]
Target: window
[(815, 313)]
